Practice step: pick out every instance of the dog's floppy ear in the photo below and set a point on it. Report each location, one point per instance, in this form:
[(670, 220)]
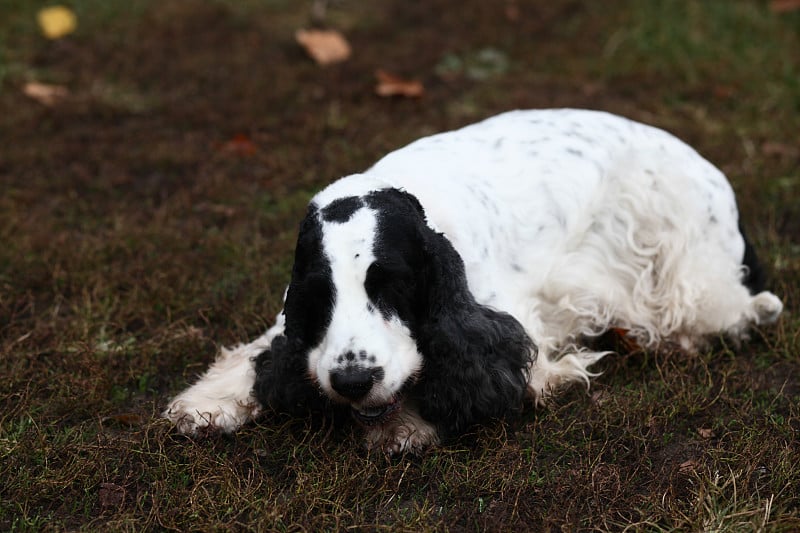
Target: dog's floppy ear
[(282, 380), (311, 292), (476, 359)]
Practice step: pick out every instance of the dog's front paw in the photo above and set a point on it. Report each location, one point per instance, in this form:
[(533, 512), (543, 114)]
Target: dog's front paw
[(222, 399), (198, 416), (406, 433)]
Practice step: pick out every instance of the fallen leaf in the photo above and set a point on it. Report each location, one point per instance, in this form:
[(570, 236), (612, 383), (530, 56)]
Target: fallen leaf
[(629, 344), (723, 92), (240, 144), (44, 93), (391, 85), (512, 11), (324, 46), (705, 433), (784, 6), (56, 21)]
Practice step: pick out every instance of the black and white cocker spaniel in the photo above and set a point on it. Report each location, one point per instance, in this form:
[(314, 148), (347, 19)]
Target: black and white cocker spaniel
[(469, 271)]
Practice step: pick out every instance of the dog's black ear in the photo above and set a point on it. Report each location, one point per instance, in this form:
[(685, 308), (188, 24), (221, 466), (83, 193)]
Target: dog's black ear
[(311, 293), (476, 359), (282, 381)]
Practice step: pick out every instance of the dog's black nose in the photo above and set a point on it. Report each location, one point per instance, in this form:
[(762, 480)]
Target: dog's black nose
[(355, 382)]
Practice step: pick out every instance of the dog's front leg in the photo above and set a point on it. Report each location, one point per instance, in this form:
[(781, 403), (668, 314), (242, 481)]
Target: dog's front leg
[(406, 432), (222, 400)]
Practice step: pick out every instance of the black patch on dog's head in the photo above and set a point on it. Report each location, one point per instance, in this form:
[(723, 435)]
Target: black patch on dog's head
[(393, 279), (341, 209)]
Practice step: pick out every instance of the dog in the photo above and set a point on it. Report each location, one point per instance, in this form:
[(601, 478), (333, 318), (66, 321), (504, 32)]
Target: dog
[(470, 272)]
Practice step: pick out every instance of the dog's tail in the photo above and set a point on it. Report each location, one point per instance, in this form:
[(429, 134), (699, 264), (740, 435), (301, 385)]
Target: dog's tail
[(548, 373)]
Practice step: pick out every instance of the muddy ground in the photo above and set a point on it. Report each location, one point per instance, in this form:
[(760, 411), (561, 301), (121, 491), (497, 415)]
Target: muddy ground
[(148, 217)]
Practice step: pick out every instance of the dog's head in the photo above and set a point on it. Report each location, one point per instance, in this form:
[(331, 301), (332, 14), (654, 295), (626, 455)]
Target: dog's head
[(380, 304)]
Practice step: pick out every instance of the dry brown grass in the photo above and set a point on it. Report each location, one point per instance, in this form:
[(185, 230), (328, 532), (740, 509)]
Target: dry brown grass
[(136, 239)]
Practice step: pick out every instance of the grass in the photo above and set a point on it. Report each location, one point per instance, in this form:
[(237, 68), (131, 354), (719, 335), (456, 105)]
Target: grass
[(136, 241)]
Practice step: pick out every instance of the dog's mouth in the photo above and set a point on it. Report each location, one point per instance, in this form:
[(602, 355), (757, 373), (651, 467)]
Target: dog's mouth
[(375, 415)]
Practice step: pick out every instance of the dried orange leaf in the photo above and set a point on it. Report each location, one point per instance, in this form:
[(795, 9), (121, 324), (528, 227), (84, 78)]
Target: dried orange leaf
[(512, 11), (240, 145), (324, 46), (44, 93), (629, 344), (723, 92), (391, 85), (56, 21), (784, 6)]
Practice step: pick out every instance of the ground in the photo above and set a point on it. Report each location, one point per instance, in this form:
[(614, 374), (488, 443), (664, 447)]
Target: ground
[(148, 217)]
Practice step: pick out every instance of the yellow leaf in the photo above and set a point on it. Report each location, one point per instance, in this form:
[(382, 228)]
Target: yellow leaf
[(56, 21)]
